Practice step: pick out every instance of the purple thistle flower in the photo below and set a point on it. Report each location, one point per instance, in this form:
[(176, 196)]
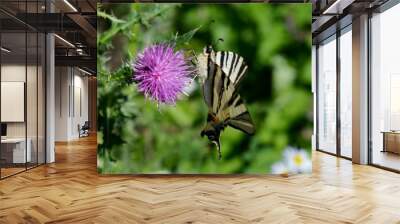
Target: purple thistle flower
[(161, 73)]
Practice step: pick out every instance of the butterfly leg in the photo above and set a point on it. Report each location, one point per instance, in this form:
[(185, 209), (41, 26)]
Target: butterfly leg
[(218, 148), (196, 60)]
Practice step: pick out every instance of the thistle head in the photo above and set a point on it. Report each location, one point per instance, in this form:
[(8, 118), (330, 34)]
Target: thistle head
[(162, 73)]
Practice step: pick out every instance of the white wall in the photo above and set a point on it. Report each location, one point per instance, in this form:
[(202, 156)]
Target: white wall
[(9, 73), (13, 101), (62, 81), (16, 73), (71, 94), (80, 103), (33, 126)]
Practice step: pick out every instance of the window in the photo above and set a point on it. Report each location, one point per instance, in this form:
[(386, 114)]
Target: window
[(22, 101), (385, 89), (345, 92), (327, 95)]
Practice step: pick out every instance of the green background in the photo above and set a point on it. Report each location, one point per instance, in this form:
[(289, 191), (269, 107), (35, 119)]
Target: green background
[(135, 136)]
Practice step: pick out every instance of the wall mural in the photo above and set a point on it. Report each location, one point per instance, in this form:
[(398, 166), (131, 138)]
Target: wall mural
[(204, 88)]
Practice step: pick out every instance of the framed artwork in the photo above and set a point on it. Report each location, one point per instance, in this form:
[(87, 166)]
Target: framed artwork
[(204, 88)]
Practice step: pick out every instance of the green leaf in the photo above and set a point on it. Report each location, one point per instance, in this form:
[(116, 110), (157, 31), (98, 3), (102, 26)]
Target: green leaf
[(181, 40), (109, 17)]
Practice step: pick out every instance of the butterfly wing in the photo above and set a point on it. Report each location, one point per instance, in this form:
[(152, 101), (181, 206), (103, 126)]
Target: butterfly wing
[(242, 122), (223, 101), (213, 86), (232, 64), (234, 111), (225, 107)]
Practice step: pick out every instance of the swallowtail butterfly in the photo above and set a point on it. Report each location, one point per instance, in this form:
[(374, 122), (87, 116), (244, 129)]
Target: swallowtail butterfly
[(220, 73)]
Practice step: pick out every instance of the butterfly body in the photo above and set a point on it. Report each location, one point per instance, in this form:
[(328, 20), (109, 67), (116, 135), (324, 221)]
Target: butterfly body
[(220, 73), (212, 130)]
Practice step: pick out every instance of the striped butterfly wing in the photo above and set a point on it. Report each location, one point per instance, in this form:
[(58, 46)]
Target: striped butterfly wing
[(223, 101), (213, 86), (234, 111), (232, 64)]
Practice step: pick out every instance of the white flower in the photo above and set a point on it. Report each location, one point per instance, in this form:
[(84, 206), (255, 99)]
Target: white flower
[(279, 168), (297, 160)]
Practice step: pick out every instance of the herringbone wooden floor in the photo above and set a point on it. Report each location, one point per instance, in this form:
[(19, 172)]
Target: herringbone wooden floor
[(70, 191)]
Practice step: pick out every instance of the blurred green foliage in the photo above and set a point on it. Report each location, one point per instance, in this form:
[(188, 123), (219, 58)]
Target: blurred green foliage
[(135, 136)]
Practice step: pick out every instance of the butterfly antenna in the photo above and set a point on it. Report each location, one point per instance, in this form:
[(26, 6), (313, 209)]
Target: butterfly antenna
[(219, 40), (206, 24)]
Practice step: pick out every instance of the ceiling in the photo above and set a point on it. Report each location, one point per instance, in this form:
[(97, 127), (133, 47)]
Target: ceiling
[(332, 15), (73, 21)]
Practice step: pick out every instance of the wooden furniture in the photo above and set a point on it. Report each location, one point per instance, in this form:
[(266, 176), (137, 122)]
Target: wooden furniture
[(391, 141)]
